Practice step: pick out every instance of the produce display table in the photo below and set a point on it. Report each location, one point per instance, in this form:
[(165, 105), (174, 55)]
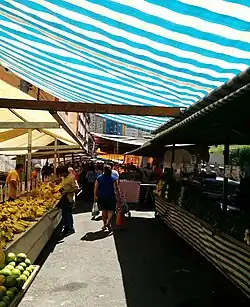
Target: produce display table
[(25, 287), (227, 254), (33, 240)]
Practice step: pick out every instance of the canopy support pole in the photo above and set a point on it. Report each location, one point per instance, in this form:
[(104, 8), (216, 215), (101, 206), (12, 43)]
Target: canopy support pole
[(55, 156), (172, 158), (225, 182), (29, 155)]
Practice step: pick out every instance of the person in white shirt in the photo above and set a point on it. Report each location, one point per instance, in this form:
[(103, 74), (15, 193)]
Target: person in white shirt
[(114, 174)]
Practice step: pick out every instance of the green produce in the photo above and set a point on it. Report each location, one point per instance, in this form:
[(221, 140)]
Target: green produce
[(14, 290), (23, 264), (20, 268), (16, 272), (10, 294), (13, 275), (20, 281), (29, 269), (27, 261), (6, 272), (6, 300), (21, 257), (10, 281), (33, 267), (23, 277), (2, 304), (11, 257), (26, 273), (10, 267)]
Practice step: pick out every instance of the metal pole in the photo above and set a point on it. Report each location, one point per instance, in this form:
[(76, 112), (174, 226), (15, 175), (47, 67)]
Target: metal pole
[(38, 94), (55, 156), (58, 158), (173, 158), (29, 155), (225, 182)]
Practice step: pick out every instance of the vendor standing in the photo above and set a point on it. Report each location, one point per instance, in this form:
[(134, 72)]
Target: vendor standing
[(12, 181), (36, 174), (147, 173)]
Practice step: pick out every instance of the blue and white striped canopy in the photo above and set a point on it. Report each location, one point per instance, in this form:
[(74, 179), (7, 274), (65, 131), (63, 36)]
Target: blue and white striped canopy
[(147, 52)]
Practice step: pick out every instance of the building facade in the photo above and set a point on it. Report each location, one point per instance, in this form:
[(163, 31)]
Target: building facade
[(104, 126), (97, 124), (113, 127), (135, 133)]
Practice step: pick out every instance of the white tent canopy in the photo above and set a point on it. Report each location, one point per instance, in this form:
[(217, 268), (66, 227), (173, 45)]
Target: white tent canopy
[(10, 138)]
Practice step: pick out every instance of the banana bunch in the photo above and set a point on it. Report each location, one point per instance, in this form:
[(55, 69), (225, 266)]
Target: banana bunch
[(16, 216)]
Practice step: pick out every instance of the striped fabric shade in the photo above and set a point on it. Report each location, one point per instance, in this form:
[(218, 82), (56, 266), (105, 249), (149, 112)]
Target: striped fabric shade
[(154, 52)]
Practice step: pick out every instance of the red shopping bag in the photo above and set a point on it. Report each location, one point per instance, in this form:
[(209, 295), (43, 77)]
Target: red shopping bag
[(120, 219)]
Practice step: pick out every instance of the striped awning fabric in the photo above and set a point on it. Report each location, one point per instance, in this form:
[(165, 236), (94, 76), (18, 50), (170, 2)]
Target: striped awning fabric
[(155, 52)]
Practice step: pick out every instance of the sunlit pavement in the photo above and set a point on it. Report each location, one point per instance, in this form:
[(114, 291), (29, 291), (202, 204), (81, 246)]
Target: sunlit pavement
[(146, 265)]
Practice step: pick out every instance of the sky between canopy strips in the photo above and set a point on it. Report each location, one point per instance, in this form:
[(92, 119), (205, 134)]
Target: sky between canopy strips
[(139, 52)]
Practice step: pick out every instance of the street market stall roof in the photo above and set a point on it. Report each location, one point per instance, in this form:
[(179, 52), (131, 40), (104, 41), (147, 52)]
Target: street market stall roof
[(147, 150), (151, 53), (224, 121), (118, 144), (11, 140), (221, 92)]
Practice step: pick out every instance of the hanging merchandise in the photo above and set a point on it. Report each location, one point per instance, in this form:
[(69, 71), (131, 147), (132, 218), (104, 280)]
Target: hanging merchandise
[(227, 173), (235, 173)]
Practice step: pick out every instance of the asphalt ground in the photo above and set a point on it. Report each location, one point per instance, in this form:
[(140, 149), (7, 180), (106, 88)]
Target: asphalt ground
[(146, 265)]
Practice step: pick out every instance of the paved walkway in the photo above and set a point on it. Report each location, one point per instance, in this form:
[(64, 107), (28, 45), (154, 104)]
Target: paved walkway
[(145, 266)]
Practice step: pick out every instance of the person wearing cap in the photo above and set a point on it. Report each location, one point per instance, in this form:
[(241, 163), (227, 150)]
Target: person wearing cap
[(36, 174)]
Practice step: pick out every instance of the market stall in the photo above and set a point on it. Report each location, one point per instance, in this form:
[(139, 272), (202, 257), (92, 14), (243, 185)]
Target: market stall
[(115, 147), (28, 222), (216, 224)]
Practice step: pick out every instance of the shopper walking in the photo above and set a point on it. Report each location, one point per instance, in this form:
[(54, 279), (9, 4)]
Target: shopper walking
[(91, 178), (105, 191)]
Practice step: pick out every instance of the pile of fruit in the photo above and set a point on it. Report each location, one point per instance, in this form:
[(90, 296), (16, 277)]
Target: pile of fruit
[(16, 216), (13, 274)]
